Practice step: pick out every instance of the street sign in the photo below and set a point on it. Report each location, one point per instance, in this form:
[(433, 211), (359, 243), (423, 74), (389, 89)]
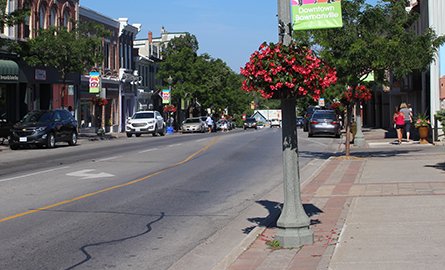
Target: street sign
[(165, 96), (311, 14), (321, 102), (95, 82)]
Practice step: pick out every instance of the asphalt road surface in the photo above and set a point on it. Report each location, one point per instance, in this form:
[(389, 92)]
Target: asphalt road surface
[(134, 203)]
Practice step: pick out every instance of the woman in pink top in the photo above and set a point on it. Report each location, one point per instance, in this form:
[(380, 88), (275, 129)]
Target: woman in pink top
[(399, 121)]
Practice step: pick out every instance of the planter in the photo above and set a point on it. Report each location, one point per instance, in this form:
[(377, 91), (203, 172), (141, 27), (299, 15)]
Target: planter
[(423, 134)]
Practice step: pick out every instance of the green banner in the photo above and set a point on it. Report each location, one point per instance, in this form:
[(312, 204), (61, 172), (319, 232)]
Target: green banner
[(313, 14)]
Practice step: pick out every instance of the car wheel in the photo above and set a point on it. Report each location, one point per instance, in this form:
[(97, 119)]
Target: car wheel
[(163, 131), (310, 135), (129, 135), (337, 135), (13, 146), (73, 139), (50, 141), (138, 135), (155, 132)]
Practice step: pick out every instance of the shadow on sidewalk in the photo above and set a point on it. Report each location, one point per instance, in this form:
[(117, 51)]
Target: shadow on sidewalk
[(274, 208), (439, 166)]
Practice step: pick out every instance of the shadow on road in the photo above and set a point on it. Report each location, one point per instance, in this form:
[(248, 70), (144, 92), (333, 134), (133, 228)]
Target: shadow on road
[(439, 166)]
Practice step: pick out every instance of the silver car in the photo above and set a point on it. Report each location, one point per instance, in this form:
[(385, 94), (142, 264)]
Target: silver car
[(194, 124), (324, 122), (145, 122)]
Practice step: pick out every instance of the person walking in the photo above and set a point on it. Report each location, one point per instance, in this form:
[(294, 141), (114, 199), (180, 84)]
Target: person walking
[(209, 122), (399, 122), (408, 116)]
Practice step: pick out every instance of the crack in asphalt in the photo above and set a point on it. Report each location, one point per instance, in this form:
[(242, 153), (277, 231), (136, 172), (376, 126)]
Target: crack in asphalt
[(88, 256)]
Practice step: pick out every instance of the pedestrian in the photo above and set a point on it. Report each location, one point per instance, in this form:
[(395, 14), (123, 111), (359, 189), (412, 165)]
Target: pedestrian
[(209, 122), (399, 123), (70, 109), (408, 116)]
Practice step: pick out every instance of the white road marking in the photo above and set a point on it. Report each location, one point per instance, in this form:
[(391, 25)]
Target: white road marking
[(148, 150), (32, 174), (173, 145), (87, 174), (106, 159)]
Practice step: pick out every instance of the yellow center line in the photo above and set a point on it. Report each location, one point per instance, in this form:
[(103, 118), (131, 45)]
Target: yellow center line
[(192, 156)]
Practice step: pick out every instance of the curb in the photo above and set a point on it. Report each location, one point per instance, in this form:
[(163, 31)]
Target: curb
[(253, 235)]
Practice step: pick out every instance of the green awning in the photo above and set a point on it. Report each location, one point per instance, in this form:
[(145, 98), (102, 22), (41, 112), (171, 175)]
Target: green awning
[(9, 71)]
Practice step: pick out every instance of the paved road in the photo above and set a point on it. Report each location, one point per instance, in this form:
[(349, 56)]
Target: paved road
[(138, 203)]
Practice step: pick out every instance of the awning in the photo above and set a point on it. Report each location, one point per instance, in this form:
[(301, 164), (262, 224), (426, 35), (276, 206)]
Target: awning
[(9, 71)]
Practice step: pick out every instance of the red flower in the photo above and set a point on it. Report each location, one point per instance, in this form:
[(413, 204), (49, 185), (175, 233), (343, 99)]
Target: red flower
[(170, 108), (279, 71)]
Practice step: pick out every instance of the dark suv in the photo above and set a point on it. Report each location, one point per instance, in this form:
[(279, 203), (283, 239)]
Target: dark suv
[(250, 123), (44, 128)]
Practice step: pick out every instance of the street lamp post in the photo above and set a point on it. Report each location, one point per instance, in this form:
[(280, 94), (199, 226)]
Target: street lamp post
[(293, 223), (169, 118)]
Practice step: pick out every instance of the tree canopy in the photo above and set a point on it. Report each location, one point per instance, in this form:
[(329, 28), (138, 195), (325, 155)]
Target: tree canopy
[(68, 51), (203, 78)]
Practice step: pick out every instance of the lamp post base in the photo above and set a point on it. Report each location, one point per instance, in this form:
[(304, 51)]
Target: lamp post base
[(294, 237)]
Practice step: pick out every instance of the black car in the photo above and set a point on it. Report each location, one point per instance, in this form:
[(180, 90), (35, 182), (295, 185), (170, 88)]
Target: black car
[(300, 121), (5, 128), (44, 128), (250, 123)]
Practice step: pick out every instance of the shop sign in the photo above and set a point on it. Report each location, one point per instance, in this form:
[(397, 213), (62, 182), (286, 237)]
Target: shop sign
[(95, 82), (312, 14), (40, 75), (8, 77)]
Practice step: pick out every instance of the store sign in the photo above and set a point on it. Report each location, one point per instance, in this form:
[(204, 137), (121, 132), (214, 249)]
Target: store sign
[(165, 94), (40, 75), (316, 14), (95, 82), (9, 77)]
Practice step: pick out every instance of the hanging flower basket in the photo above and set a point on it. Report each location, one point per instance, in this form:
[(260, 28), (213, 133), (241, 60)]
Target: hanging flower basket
[(170, 108), (99, 101), (279, 71), (361, 94)]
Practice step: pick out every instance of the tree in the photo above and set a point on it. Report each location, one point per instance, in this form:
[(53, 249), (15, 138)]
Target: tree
[(201, 77), (373, 39), (67, 51), (10, 19)]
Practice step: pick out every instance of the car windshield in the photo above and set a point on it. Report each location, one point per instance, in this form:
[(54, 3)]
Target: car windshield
[(192, 120), (331, 116), (250, 120), (37, 117), (144, 115)]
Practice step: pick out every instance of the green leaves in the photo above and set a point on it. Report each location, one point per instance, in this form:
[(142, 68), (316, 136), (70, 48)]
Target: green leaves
[(200, 77), (67, 51)]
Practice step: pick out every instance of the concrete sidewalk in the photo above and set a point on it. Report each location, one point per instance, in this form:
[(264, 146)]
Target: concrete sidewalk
[(381, 209)]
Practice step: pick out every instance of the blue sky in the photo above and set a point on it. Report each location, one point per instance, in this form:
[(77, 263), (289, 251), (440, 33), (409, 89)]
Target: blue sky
[(227, 29)]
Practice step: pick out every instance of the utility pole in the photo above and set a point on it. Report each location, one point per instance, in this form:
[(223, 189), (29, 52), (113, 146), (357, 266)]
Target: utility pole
[(293, 224)]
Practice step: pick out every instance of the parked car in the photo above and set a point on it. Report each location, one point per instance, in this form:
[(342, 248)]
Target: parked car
[(275, 123), (145, 122), (44, 128), (221, 122), (250, 123), (300, 121), (204, 118), (194, 124), (324, 122), (5, 128), (307, 116)]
